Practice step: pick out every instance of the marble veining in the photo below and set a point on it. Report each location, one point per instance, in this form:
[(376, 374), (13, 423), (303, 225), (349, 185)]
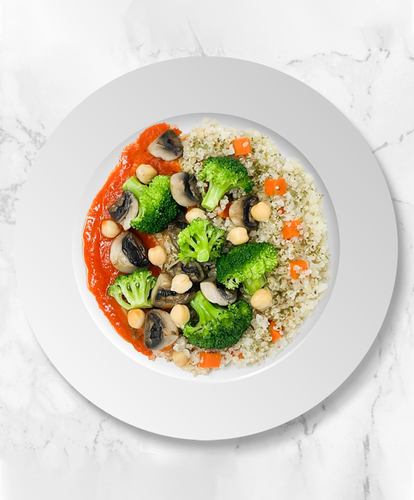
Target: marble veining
[(358, 443)]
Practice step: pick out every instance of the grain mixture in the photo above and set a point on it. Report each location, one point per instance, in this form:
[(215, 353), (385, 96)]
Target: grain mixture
[(293, 299)]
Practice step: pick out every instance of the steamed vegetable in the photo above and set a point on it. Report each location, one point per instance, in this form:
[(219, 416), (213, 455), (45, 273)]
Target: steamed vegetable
[(157, 207), (223, 174), (247, 264), (201, 241), (225, 213), (209, 360), (218, 327), (242, 146), (275, 187), (133, 291), (302, 264), (290, 229), (274, 332)]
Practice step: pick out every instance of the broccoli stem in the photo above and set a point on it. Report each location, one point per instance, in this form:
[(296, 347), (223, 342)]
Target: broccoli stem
[(214, 195), (252, 285), (117, 294), (205, 309), (202, 248), (133, 185)]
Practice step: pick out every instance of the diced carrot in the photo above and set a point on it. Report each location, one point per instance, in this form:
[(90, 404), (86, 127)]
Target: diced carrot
[(274, 332), (209, 360), (290, 229), (242, 146), (300, 263), (275, 187), (225, 212), (241, 355), (167, 348)]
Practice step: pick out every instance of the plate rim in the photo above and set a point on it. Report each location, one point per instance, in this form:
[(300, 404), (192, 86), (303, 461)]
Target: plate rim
[(102, 106)]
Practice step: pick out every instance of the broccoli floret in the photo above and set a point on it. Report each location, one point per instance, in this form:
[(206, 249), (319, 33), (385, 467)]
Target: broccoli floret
[(157, 207), (200, 241), (132, 291), (218, 327), (247, 264), (223, 174)]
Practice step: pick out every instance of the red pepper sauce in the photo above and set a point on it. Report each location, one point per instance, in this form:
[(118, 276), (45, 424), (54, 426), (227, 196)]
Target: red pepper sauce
[(96, 247)]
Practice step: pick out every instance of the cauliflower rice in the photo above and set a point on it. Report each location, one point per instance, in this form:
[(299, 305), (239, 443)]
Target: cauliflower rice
[(293, 300)]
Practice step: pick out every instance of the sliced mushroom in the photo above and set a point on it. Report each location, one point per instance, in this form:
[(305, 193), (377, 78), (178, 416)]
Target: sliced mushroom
[(159, 330), (128, 253), (124, 209), (192, 269), (210, 270), (174, 229), (240, 212), (162, 296), (184, 189), (216, 295), (167, 146)]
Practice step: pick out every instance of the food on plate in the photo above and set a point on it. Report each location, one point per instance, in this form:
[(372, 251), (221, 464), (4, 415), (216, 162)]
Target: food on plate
[(223, 174), (247, 265), (200, 240), (207, 248), (132, 291), (157, 207), (217, 327)]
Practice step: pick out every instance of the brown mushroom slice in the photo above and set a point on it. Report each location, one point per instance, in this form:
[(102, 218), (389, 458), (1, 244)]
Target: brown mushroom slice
[(240, 212), (174, 229), (210, 270), (220, 296), (128, 253), (184, 189), (124, 209), (159, 330), (163, 297), (192, 269), (167, 146)]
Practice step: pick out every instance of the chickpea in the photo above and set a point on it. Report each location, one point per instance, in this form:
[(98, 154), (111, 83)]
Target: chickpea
[(136, 318), (195, 213), (261, 211), (146, 173), (157, 255), (261, 299), (180, 358), (238, 235), (180, 315), (110, 229), (181, 283)]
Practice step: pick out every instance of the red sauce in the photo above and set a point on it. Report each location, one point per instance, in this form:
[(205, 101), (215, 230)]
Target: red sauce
[(96, 247)]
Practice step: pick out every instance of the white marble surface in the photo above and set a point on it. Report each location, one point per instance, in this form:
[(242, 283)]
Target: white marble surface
[(357, 444)]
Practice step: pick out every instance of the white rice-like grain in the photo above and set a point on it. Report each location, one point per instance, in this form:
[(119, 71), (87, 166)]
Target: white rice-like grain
[(293, 300)]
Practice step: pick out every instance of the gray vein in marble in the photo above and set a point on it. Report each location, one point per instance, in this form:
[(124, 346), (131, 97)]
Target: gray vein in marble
[(329, 54), (400, 140), (366, 450)]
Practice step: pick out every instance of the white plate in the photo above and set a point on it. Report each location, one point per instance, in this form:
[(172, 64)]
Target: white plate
[(73, 166)]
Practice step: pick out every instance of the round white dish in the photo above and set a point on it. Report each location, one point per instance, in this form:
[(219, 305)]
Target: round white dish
[(84, 347)]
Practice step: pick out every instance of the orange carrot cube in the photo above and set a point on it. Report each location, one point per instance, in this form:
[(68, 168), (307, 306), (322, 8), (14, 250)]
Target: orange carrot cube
[(275, 187), (299, 263), (290, 229), (209, 360), (225, 213), (242, 146), (274, 332)]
